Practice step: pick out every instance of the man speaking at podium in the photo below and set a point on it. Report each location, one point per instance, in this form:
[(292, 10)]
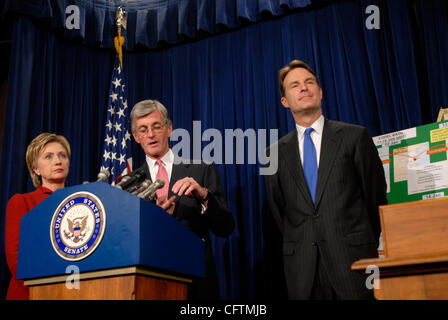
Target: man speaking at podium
[(325, 194), (192, 192)]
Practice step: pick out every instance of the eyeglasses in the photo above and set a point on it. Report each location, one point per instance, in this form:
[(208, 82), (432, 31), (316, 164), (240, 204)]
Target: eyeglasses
[(155, 128)]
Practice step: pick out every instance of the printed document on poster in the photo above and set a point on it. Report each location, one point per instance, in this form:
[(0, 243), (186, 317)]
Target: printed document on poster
[(409, 157), (428, 177)]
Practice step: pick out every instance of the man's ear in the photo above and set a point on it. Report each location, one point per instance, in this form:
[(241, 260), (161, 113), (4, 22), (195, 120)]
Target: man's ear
[(170, 130), (284, 102), (136, 138)]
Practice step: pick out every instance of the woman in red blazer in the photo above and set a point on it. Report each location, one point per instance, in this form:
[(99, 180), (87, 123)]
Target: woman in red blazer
[(47, 159)]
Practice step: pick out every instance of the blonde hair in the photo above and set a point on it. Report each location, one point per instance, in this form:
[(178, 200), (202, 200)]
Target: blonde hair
[(34, 148)]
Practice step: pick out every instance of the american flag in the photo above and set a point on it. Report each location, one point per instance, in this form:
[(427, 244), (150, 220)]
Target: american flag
[(117, 154)]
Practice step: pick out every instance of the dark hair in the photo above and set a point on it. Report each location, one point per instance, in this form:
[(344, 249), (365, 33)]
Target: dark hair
[(293, 65)]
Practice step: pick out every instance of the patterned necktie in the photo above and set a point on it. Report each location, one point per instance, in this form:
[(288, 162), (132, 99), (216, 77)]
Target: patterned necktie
[(162, 174), (310, 163)]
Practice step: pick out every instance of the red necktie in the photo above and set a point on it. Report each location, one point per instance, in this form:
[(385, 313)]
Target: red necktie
[(162, 174)]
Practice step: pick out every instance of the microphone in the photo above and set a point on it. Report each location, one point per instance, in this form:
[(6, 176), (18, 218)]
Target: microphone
[(103, 175), (145, 184), (150, 192), (129, 179), (134, 186)]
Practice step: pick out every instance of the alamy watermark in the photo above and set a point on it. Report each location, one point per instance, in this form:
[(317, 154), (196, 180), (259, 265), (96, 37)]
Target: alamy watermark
[(373, 20), (373, 280), (72, 280), (72, 17), (227, 149)]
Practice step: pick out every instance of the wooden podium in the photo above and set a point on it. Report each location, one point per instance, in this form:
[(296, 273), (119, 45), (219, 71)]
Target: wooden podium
[(131, 250), (415, 240), (132, 283)]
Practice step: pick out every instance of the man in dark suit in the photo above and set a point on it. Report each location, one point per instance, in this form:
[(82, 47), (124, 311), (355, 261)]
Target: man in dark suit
[(324, 195), (192, 192)]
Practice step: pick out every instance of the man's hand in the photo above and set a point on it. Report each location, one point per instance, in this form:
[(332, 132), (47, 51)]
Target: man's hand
[(189, 187), (167, 204)]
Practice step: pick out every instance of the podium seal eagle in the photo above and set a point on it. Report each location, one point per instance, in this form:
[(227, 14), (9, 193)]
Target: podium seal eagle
[(77, 226)]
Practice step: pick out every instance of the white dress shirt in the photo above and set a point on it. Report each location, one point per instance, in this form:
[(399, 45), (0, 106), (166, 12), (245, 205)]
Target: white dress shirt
[(167, 161), (316, 136)]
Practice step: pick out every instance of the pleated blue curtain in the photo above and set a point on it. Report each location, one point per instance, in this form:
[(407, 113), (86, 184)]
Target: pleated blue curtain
[(152, 23), (387, 79)]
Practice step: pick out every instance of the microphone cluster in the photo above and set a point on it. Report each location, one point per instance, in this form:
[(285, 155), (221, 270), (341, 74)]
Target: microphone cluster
[(135, 183), (131, 181), (150, 192)]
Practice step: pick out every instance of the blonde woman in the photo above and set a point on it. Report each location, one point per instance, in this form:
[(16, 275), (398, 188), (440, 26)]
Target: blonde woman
[(47, 159)]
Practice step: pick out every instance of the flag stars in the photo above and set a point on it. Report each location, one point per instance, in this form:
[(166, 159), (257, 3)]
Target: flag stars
[(120, 113), (116, 83), (117, 135), (108, 140), (106, 155), (117, 126), (114, 96), (121, 159), (123, 143), (112, 112)]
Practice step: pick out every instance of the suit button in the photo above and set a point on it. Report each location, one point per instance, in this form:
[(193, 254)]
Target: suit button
[(315, 216), (314, 243)]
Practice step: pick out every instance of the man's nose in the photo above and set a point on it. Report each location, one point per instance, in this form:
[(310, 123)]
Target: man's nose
[(151, 132), (303, 87)]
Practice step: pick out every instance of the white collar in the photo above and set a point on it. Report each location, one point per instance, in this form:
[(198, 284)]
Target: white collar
[(318, 126), (167, 159)]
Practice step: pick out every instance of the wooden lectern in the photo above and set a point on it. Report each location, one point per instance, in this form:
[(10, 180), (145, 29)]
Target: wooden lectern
[(130, 283), (121, 247), (415, 240)]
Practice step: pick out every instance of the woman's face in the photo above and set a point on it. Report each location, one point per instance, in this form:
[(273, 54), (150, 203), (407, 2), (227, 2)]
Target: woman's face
[(52, 164)]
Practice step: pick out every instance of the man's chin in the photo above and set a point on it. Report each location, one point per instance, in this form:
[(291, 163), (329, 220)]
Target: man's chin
[(153, 153)]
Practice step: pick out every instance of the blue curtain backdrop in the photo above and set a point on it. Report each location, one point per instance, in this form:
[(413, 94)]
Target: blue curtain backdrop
[(218, 63)]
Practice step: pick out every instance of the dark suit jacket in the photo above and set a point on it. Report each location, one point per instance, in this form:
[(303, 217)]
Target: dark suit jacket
[(217, 219), (343, 224)]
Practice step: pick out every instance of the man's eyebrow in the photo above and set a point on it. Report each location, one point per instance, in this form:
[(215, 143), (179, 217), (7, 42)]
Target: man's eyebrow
[(294, 82), (297, 81)]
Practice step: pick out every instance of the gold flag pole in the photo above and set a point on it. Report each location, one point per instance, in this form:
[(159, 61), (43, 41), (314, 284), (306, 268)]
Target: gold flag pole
[(120, 20)]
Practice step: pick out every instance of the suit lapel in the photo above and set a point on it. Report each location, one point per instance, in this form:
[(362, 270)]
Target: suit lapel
[(329, 149), (146, 168), (292, 157), (178, 172)]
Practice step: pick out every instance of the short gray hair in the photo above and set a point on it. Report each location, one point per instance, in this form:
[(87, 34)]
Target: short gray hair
[(146, 107)]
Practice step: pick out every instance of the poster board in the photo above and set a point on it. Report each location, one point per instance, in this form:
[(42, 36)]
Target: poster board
[(443, 114), (415, 162)]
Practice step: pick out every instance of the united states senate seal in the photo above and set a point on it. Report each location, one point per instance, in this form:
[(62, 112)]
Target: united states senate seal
[(77, 226)]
